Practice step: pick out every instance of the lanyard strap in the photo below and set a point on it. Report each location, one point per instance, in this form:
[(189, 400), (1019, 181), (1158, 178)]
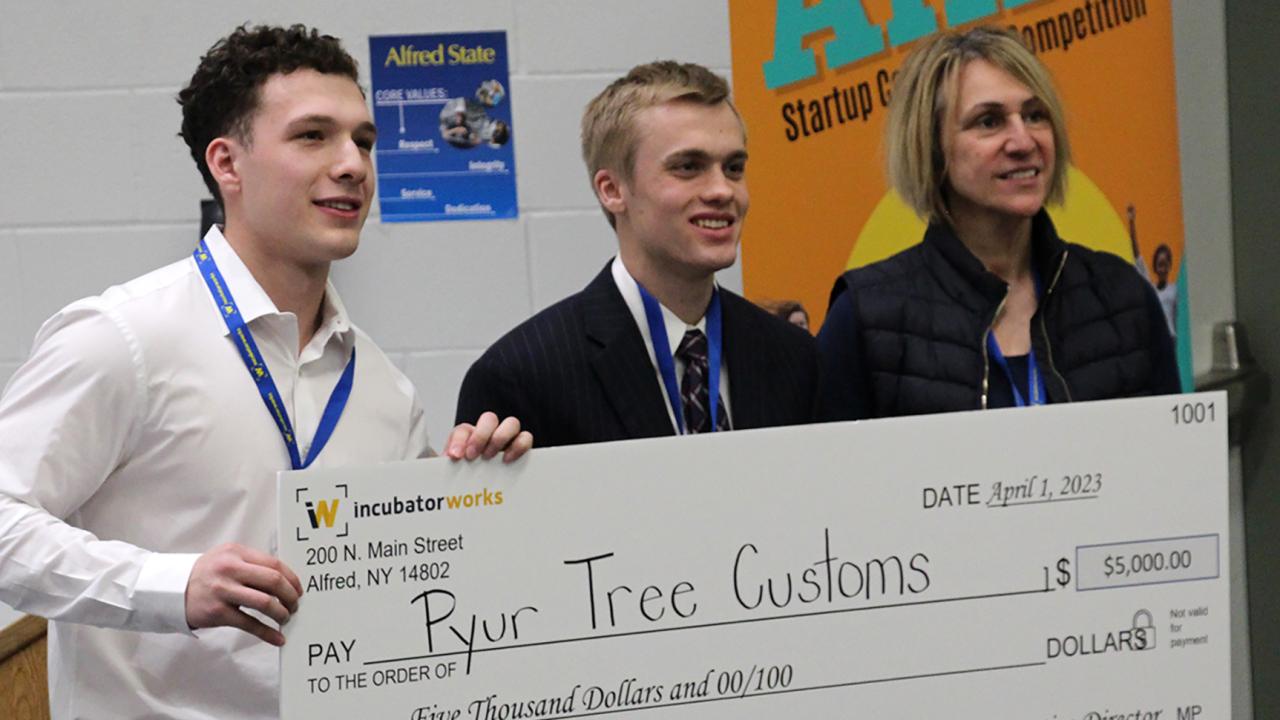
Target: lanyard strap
[(257, 367), (1035, 381), (666, 362)]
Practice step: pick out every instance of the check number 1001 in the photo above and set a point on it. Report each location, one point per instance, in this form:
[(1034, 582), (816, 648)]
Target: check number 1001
[(1194, 413)]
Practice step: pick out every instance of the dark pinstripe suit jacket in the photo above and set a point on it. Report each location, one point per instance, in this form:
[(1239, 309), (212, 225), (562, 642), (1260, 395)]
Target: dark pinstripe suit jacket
[(578, 372)]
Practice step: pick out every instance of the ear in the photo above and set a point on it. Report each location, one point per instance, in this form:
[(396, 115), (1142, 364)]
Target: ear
[(610, 191), (221, 156)]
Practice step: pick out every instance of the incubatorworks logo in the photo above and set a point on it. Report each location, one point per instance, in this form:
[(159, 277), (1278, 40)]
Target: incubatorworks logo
[(422, 504), (322, 512)]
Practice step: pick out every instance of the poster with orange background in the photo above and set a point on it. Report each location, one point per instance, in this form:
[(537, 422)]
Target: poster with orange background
[(812, 80)]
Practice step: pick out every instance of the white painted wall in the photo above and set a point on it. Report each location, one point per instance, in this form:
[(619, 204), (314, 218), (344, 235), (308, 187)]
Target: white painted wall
[(1199, 33), (96, 187)]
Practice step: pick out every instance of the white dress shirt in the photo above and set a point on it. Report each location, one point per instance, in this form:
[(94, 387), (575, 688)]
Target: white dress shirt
[(133, 440), (676, 328)]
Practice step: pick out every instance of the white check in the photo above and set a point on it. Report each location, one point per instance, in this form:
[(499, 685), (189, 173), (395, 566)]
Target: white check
[(1059, 562)]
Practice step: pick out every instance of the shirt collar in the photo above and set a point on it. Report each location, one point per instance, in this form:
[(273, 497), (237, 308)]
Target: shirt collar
[(254, 302), (334, 324), (333, 316), (630, 291), (251, 299)]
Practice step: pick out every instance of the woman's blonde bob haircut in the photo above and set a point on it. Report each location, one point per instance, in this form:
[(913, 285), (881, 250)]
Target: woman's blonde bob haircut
[(924, 90)]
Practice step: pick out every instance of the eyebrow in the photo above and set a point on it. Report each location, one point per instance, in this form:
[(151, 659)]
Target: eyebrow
[(990, 105), (364, 128), (702, 155), (984, 106)]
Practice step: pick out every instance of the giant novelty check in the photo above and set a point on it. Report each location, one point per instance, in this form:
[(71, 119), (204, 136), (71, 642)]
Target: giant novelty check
[(1059, 562)]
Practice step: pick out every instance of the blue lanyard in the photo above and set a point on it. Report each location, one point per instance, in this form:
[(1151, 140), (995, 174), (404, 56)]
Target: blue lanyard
[(666, 363), (261, 375), (1035, 381)]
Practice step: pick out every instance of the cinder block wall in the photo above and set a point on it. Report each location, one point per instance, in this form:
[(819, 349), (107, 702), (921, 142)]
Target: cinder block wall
[(96, 187)]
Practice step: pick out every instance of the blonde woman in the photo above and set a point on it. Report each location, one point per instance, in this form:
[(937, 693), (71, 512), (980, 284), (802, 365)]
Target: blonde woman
[(992, 308)]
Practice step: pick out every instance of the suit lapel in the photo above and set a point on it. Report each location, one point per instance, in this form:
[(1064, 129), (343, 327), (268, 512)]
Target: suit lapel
[(621, 362), (747, 364)]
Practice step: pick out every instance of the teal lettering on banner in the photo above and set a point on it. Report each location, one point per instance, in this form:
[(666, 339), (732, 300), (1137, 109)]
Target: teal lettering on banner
[(912, 19), (960, 12), (855, 38)]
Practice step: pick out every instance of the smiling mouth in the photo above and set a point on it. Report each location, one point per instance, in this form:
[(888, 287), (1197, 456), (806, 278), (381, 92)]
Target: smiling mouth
[(343, 205), (710, 224), (1021, 174)]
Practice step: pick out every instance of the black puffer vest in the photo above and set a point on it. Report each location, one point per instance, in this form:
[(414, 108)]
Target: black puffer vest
[(923, 316)]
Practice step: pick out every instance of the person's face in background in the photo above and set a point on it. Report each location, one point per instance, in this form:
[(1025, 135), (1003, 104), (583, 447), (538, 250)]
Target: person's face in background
[(998, 143), (799, 318), (1162, 265)]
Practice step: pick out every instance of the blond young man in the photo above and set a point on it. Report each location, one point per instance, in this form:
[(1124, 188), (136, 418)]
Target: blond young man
[(652, 346)]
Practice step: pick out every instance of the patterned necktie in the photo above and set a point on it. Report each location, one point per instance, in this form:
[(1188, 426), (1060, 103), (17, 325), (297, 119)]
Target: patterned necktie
[(694, 387)]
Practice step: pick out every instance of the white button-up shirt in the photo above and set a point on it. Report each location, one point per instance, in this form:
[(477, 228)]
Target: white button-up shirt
[(134, 440)]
